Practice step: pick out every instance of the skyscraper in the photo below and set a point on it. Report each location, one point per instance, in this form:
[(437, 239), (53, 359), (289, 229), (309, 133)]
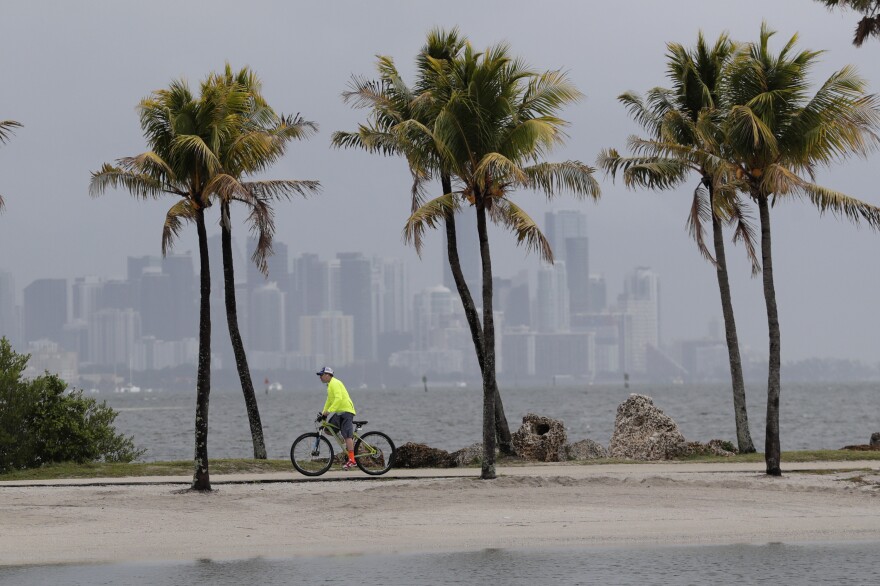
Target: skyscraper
[(551, 312), (267, 320), (10, 326), (356, 299), (45, 309), (566, 231), (640, 300)]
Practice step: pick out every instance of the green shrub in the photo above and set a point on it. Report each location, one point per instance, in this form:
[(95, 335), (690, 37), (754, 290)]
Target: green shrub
[(41, 422)]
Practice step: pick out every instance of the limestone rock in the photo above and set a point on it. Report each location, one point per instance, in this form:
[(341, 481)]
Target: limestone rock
[(875, 440), (715, 447), (585, 449), (413, 455), (643, 432), (468, 456), (540, 438)]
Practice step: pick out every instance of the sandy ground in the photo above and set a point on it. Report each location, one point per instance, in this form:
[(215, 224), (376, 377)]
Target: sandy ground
[(550, 506)]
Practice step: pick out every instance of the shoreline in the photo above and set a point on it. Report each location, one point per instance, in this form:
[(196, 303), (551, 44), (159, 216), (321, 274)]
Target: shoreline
[(562, 506)]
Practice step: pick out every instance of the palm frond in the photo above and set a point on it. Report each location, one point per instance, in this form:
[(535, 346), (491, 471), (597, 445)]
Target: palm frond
[(783, 181), (180, 213), (515, 219), (573, 176), (7, 129), (429, 215), (140, 185), (700, 213)]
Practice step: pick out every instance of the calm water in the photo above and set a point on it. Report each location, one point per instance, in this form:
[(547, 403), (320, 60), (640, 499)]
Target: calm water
[(812, 416), (731, 564)]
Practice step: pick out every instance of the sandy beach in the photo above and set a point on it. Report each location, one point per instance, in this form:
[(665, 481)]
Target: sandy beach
[(543, 506)]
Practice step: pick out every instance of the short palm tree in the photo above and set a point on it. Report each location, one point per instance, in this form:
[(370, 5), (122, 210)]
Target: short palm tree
[(683, 124), (397, 111), (6, 129), (496, 120), (185, 134), (777, 134), (869, 25), (261, 140)]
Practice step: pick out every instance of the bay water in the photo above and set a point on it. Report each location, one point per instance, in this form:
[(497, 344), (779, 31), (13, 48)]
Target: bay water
[(812, 416)]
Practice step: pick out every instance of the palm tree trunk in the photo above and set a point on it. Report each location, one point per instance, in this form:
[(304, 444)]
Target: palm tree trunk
[(244, 373), (489, 383), (201, 476), (772, 448), (743, 436), (502, 429)]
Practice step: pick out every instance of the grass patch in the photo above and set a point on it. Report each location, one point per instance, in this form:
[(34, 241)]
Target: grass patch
[(120, 470)]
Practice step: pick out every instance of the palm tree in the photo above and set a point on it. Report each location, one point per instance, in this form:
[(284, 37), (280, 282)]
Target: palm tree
[(263, 137), (185, 134), (685, 137), (6, 129), (777, 134), (495, 121), (395, 109), (869, 25)]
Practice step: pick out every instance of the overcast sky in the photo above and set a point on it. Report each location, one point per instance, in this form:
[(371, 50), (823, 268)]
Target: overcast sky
[(73, 73)]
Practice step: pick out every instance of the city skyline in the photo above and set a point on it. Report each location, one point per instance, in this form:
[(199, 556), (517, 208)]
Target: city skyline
[(50, 227)]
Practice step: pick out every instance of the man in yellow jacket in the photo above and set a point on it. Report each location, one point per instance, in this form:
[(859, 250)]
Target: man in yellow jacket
[(340, 405)]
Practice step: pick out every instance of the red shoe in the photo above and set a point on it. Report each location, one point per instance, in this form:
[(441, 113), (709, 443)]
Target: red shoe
[(349, 465)]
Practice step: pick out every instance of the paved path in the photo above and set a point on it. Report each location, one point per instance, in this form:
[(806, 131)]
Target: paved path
[(572, 470)]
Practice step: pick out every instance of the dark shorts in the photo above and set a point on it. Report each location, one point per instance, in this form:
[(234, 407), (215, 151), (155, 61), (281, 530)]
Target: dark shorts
[(343, 422)]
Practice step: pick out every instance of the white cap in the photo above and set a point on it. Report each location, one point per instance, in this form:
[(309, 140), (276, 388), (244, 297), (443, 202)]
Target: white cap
[(325, 370)]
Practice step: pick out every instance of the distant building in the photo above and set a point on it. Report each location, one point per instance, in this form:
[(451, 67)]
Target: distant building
[(356, 298), (10, 323), (45, 309), (330, 335), (267, 320), (641, 301)]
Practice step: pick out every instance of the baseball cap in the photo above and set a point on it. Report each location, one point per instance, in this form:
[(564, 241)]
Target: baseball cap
[(325, 370)]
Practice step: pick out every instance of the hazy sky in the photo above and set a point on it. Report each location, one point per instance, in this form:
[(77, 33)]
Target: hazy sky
[(74, 71)]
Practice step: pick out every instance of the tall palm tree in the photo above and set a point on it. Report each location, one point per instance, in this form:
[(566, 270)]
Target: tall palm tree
[(685, 137), (496, 121), (185, 134), (262, 139), (777, 134), (395, 110), (6, 129), (869, 25)]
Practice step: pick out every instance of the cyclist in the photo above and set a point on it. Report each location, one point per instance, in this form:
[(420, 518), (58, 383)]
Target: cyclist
[(340, 405)]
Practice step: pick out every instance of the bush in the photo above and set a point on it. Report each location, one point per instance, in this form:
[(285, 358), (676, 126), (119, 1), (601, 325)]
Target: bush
[(41, 422)]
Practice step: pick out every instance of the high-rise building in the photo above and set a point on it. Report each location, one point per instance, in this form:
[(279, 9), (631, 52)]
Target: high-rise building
[(641, 301), (566, 231), (267, 321), (356, 299), (10, 326), (86, 293), (45, 309), (552, 305), (112, 334), (598, 294), (561, 225), (328, 337), (156, 298), (183, 307), (393, 298)]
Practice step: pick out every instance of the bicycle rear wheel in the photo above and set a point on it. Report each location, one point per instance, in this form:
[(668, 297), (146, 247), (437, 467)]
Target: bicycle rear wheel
[(374, 453), (311, 454)]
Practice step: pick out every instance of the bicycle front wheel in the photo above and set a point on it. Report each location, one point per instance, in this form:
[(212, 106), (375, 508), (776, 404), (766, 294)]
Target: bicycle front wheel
[(311, 454), (374, 453)]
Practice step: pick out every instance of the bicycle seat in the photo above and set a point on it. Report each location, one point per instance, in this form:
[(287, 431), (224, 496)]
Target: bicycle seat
[(359, 423)]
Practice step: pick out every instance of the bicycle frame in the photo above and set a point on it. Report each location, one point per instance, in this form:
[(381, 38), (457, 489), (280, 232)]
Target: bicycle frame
[(324, 425)]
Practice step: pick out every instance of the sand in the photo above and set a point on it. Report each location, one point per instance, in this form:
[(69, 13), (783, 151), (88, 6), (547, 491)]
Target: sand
[(549, 506)]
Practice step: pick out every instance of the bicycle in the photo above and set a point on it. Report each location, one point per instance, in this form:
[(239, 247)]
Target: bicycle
[(312, 453)]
